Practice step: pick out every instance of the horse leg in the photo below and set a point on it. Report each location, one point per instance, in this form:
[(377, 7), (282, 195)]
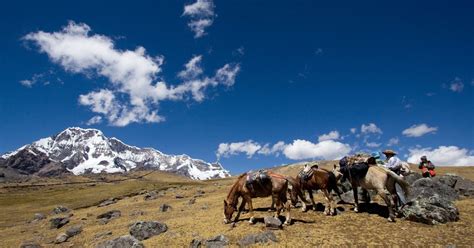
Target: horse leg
[(249, 202), (278, 205), (384, 195), (241, 208), (356, 198), (310, 193), (329, 210), (287, 205)]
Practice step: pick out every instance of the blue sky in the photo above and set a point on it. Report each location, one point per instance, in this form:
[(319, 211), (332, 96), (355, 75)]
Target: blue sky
[(265, 72)]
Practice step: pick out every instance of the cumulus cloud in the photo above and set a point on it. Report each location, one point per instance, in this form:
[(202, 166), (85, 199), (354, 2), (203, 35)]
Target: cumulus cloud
[(328, 149), (353, 130), (248, 147), (333, 135), (370, 128), (276, 149), (443, 156), (94, 120), (393, 141), (201, 14), (135, 89), (373, 144), (456, 85), (419, 130)]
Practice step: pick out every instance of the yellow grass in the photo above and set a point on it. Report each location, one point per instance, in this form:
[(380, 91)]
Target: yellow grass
[(187, 222)]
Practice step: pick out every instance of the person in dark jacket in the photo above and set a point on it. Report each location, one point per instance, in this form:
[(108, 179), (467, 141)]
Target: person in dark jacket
[(427, 168)]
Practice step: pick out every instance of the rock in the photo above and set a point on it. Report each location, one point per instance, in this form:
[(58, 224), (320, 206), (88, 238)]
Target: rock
[(150, 196), (59, 222), (217, 242), (165, 207), (448, 179), (108, 216), (260, 238), (363, 196), (61, 238), (272, 223), (60, 210), (430, 210), (205, 207), (464, 187), (195, 243), (108, 202), (345, 186), (102, 234), (137, 213), (191, 201), (39, 216), (412, 177), (427, 187), (126, 241), (73, 231), (2, 174), (179, 196), (145, 229), (30, 244)]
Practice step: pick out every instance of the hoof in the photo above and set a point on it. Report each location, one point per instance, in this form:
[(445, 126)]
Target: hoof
[(391, 219), (356, 210), (287, 223), (252, 220)]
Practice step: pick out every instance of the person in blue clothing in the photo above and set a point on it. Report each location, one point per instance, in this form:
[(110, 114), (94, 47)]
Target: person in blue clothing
[(377, 157)]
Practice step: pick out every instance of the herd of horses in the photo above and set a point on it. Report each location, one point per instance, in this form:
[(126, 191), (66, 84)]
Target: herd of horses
[(279, 187)]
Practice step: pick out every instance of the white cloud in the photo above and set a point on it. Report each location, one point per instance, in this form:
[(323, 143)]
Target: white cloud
[(372, 144), (276, 149), (201, 14), (353, 130), (328, 149), (370, 128), (419, 130), (443, 156), (27, 83), (333, 135), (456, 85), (248, 147), (393, 141), (135, 89), (94, 120)]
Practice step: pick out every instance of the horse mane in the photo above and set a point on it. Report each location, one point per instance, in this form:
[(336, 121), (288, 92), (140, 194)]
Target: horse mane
[(234, 189)]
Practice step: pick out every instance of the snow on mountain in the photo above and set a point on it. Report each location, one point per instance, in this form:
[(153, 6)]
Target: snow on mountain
[(89, 151)]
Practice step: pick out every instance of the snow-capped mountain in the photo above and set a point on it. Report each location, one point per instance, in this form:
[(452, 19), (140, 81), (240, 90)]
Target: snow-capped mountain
[(89, 151)]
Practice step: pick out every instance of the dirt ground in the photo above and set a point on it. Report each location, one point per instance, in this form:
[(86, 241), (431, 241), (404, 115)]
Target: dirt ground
[(204, 218)]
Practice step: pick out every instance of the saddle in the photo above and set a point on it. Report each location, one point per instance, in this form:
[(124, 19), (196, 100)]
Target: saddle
[(355, 166), (307, 172), (258, 177)]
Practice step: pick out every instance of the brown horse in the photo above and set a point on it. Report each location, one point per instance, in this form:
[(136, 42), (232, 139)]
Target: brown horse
[(320, 179), (276, 187)]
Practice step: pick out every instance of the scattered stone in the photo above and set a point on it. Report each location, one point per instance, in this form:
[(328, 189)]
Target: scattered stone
[(102, 234), (272, 223), (150, 196), (30, 244), (122, 242), (108, 202), (137, 213), (60, 210), (192, 201), (108, 216), (61, 238), (195, 243), (165, 207), (205, 207), (161, 193), (59, 222), (145, 229), (217, 242), (430, 210), (465, 187), (179, 196), (39, 216), (73, 231), (260, 238)]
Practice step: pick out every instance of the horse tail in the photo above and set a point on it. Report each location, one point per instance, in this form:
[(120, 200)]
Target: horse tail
[(398, 179), (332, 184)]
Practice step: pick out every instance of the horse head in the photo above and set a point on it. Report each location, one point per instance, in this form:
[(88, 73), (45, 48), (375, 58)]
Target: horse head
[(229, 210), (337, 172)]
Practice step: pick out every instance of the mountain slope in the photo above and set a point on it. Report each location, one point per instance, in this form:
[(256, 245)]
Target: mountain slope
[(83, 151)]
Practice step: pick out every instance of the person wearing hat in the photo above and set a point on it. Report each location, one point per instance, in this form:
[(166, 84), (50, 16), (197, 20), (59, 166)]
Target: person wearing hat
[(426, 167), (393, 162), (377, 157)]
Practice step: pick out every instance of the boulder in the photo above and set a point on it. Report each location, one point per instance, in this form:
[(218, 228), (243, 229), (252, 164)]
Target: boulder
[(179, 196), (449, 180), (108, 216), (412, 177), (217, 242), (108, 202), (102, 234), (73, 231), (272, 223), (122, 242), (464, 187), (60, 210), (39, 216), (145, 229), (195, 243), (150, 196), (363, 196), (30, 244), (165, 207), (61, 238), (260, 238), (430, 210), (59, 222), (345, 186), (427, 187)]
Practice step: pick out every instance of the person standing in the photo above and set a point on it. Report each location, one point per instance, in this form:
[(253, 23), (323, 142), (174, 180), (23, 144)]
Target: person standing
[(395, 164), (427, 168)]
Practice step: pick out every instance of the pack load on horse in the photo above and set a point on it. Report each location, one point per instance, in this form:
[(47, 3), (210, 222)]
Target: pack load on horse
[(362, 170), (427, 167), (313, 178), (253, 185)]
